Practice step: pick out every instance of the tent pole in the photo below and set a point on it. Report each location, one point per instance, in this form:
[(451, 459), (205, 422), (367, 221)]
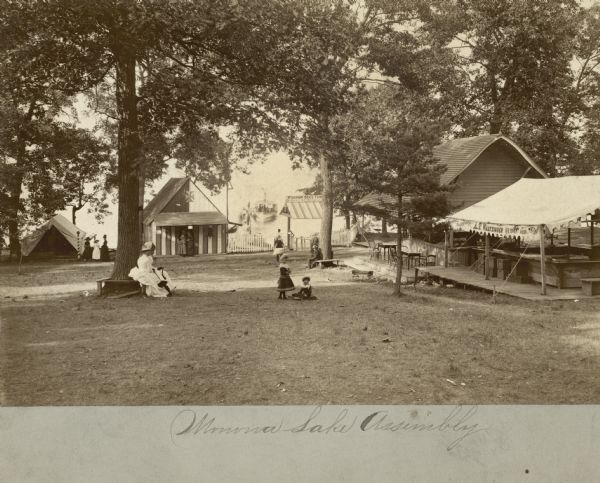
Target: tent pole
[(543, 258), (486, 258)]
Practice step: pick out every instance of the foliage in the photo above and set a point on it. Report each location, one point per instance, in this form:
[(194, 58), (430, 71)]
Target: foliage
[(181, 70), (513, 62), (390, 135)]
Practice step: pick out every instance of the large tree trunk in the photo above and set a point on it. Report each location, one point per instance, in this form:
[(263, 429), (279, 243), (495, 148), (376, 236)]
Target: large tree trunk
[(398, 285), (12, 210), (142, 185), (327, 220), (129, 154)]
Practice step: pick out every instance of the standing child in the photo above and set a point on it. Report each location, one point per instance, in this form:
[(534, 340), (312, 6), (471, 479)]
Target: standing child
[(284, 283)]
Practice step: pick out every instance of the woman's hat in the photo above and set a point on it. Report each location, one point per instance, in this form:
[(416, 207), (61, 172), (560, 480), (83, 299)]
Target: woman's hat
[(147, 247), (304, 279)]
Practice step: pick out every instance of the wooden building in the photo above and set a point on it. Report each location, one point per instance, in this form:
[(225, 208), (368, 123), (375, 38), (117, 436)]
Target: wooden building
[(476, 168), (180, 207)]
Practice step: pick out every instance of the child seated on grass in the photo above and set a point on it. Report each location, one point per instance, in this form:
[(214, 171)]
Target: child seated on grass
[(305, 292)]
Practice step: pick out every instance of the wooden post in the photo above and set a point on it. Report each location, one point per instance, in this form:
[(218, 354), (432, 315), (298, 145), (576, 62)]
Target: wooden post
[(486, 257), (446, 249), (543, 258), (569, 240), (451, 238), (289, 231)]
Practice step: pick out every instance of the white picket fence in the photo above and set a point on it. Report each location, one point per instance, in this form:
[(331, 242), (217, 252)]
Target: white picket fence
[(343, 237), (247, 243), (339, 238)]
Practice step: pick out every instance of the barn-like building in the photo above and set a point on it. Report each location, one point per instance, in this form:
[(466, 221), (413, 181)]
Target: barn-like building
[(181, 207), (476, 168)]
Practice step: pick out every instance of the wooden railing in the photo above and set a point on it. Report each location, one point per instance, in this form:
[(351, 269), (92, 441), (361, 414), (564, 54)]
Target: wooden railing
[(339, 238), (247, 243)]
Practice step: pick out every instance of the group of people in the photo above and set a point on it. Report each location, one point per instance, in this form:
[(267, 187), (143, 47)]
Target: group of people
[(285, 283), (184, 244), (97, 253), (157, 283)]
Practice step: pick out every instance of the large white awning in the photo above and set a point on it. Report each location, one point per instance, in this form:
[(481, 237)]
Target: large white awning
[(520, 209)]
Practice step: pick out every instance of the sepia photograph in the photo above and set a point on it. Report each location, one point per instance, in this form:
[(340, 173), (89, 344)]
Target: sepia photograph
[(307, 203)]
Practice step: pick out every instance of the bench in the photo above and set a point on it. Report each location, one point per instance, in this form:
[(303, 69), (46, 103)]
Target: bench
[(122, 288), (331, 262), (362, 274), (590, 286)]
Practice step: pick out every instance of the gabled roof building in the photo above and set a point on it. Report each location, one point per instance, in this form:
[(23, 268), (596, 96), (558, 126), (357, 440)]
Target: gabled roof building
[(181, 211), (476, 167)]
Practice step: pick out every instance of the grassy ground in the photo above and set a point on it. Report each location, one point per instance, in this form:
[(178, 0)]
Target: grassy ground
[(354, 345)]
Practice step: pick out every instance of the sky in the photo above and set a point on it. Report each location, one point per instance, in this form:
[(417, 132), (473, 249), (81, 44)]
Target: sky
[(274, 179)]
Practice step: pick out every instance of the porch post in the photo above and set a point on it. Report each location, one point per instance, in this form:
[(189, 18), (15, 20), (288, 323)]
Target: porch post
[(543, 258), (446, 249), (486, 257)]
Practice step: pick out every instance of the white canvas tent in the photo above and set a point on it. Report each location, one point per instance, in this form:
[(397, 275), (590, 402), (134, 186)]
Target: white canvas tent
[(520, 209), (530, 208), (63, 226)]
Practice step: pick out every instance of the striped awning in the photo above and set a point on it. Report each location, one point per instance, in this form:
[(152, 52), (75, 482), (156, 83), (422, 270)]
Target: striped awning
[(303, 207)]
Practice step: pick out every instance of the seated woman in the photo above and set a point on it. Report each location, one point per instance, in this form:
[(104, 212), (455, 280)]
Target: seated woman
[(156, 281), (315, 255)]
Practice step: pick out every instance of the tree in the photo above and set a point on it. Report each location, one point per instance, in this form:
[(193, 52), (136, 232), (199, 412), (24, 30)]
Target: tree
[(84, 173), (391, 133), (41, 156), (204, 64), (383, 45), (513, 63)]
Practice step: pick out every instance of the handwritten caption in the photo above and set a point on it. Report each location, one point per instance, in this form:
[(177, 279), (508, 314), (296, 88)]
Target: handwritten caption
[(458, 422)]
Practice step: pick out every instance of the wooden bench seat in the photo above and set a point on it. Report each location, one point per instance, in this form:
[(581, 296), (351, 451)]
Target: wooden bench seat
[(107, 286), (333, 261), (590, 286), (362, 273)]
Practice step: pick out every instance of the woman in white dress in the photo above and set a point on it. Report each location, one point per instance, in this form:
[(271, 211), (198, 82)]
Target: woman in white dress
[(96, 251), (156, 281)]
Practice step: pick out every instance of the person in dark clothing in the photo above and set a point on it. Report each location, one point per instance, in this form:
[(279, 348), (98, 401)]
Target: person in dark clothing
[(104, 256), (285, 283), (87, 250), (305, 292), (315, 255), (278, 246)]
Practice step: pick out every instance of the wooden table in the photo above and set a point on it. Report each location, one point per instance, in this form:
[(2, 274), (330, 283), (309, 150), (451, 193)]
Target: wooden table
[(387, 246)]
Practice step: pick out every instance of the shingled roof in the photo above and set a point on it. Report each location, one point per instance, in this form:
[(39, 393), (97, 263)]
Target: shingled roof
[(458, 154), (163, 197)]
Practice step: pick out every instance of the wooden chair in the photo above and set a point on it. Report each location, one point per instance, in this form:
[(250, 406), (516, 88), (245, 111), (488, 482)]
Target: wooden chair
[(374, 249), (427, 259)]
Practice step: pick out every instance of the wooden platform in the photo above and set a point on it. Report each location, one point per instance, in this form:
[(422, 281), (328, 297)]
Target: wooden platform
[(463, 276)]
